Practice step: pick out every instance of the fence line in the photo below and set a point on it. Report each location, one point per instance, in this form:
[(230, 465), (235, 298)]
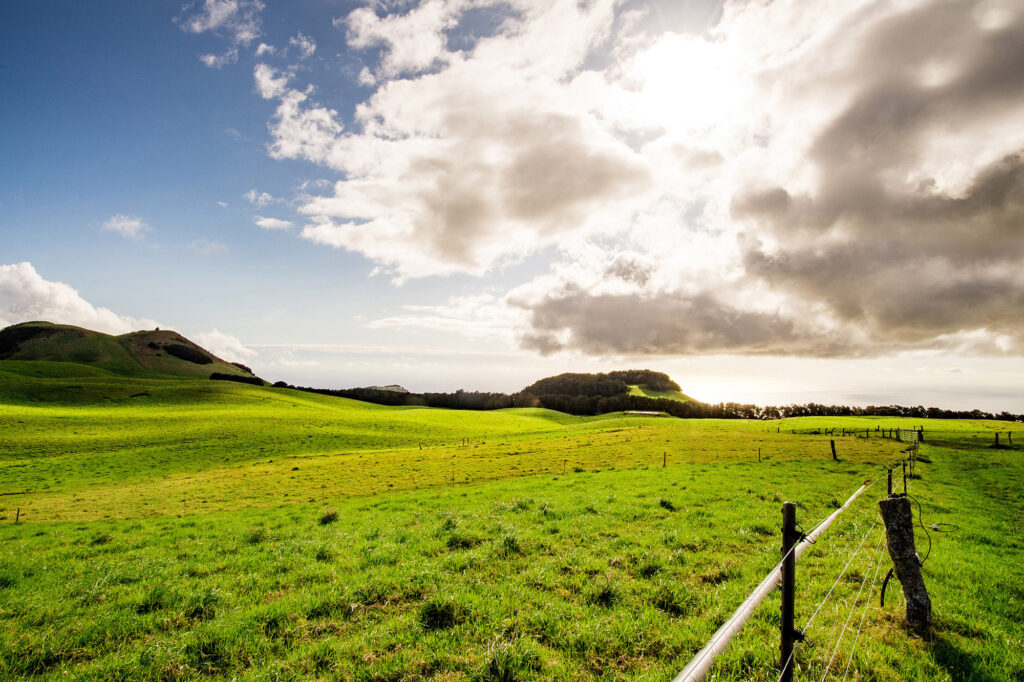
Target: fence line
[(698, 667)]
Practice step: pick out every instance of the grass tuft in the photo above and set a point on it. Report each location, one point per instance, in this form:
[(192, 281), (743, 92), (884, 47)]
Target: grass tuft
[(329, 516), (441, 614)]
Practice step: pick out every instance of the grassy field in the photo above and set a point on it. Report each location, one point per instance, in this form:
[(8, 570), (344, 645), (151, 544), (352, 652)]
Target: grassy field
[(227, 531)]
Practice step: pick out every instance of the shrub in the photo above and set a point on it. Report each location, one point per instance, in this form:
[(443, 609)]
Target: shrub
[(329, 516), (220, 376), (188, 353)]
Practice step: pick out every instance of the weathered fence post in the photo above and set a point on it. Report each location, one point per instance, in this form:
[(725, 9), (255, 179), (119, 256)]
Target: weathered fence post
[(899, 533), (997, 439), (759, 455), (1009, 437), (920, 434), (789, 539), (17, 516), (834, 450), (664, 459)]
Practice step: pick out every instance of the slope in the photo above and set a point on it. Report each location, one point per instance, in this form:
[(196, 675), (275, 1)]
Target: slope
[(150, 353)]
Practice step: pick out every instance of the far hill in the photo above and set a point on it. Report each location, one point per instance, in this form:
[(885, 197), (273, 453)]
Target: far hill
[(156, 353), (637, 382)]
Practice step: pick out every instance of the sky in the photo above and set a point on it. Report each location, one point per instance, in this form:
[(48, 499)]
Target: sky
[(773, 202)]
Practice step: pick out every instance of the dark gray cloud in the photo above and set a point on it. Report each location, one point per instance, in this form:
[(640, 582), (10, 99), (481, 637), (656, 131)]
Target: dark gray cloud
[(666, 323)]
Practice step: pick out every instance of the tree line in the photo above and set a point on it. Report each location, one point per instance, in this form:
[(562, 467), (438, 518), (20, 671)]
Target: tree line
[(592, 399)]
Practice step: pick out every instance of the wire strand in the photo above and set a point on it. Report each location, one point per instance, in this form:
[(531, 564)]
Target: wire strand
[(864, 613), (841, 574), (842, 633)]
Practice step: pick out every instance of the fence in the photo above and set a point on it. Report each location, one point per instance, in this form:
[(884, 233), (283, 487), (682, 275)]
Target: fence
[(795, 544), (1009, 439)]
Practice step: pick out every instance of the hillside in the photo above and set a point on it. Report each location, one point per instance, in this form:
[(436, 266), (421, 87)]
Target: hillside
[(636, 389), (151, 353), (642, 382)]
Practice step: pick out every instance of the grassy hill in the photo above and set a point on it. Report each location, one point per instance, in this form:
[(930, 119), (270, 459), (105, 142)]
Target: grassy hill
[(636, 389), (151, 353)]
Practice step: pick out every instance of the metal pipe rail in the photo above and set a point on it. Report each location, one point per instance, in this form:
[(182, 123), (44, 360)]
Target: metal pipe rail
[(697, 668)]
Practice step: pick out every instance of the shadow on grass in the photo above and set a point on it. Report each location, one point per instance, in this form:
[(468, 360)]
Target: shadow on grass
[(960, 664)]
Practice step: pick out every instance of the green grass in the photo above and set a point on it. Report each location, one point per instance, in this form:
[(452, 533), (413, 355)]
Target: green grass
[(671, 395), (233, 532)]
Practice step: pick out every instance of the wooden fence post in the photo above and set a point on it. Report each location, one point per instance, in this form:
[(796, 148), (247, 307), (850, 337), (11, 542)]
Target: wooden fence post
[(920, 435), (899, 533), (789, 539), (997, 439), (834, 450), (17, 517), (664, 459)]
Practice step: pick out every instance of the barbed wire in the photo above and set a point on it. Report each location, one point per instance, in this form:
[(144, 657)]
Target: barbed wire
[(846, 624), (867, 603)]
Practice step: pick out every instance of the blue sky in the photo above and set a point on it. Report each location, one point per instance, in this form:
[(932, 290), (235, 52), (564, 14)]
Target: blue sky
[(773, 203)]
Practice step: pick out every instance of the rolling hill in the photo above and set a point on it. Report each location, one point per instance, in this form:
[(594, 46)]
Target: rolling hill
[(143, 354)]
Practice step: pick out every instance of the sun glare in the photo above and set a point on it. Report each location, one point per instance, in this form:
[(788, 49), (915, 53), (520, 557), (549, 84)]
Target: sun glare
[(687, 83)]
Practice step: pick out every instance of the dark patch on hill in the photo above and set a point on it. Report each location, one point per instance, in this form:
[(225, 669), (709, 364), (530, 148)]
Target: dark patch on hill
[(188, 353), (12, 337), (255, 381)]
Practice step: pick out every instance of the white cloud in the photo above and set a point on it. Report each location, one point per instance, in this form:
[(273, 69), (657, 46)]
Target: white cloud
[(273, 223), (305, 45), (218, 61), (207, 248), (222, 204), (268, 83), (25, 297), (263, 49), (258, 199), (225, 346), (127, 226), (238, 20)]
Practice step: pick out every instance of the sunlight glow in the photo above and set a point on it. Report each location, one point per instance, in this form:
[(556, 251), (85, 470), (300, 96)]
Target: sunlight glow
[(688, 83)]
